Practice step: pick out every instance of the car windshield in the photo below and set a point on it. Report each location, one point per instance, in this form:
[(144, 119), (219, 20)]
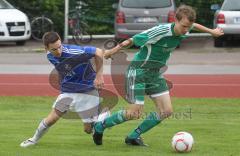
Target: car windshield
[(231, 5), (146, 3), (5, 5)]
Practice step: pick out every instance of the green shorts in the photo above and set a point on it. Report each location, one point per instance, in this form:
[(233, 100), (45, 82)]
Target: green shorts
[(140, 82)]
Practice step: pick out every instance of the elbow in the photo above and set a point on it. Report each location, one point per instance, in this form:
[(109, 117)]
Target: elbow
[(99, 53)]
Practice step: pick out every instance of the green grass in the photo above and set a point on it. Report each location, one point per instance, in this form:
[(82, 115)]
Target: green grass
[(214, 123)]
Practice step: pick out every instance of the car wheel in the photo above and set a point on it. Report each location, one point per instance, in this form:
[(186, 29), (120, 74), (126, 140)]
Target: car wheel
[(110, 43), (218, 42), (20, 43)]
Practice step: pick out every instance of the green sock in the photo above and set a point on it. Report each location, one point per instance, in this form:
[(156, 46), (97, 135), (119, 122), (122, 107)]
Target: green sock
[(151, 121), (114, 119)]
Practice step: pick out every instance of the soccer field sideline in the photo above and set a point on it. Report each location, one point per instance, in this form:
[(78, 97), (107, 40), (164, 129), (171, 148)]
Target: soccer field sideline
[(184, 85)]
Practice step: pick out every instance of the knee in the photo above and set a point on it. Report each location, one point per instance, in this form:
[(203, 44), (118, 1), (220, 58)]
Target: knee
[(167, 113), (88, 128), (88, 131), (130, 115), (53, 117)]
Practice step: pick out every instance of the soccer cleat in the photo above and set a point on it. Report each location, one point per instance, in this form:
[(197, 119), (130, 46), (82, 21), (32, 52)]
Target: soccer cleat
[(135, 141), (97, 137), (27, 143)]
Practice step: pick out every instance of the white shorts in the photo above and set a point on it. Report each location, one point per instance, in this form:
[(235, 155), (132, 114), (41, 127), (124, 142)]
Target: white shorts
[(86, 105)]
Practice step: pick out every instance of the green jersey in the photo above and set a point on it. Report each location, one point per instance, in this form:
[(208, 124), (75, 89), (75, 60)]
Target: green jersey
[(156, 45)]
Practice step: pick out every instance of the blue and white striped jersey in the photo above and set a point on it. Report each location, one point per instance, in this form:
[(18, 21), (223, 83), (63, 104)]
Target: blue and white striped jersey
[(74, 68)]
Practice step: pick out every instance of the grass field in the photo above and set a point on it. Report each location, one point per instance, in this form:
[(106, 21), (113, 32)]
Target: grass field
[(214, 124)]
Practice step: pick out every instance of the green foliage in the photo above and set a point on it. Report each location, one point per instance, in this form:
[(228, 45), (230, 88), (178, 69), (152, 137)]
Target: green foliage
[(99, 14), (53, 9)]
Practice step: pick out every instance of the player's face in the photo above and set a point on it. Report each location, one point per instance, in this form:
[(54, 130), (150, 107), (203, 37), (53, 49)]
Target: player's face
[(55, 48), (182, 26)]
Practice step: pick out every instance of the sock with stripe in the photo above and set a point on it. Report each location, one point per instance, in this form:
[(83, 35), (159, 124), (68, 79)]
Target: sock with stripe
[(41, 130), (114, 119), (150, 121)]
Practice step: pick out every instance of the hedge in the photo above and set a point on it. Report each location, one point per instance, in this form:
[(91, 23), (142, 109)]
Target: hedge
[(99, 14)]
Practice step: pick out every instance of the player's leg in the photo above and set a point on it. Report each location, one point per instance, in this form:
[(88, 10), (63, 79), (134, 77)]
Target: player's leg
[(89, 122), (135, 96), (164, 110), (90, 118), (51, 119), (87, 106), (87, 127), (163, 105), (159, 93), (60, 106), (134, 111), (43, 127), (103, 115)]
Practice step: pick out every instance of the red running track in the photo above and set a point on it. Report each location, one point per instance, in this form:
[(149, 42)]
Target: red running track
[(194, 86)]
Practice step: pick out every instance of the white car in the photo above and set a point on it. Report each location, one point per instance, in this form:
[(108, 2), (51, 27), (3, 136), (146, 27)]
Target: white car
[(227, 17), (14, 24)]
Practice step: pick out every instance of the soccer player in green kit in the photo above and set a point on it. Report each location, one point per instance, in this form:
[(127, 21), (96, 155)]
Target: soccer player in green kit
[(143, 76)]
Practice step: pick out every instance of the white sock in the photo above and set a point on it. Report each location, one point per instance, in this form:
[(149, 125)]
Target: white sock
[(41, 130), (103, 116)]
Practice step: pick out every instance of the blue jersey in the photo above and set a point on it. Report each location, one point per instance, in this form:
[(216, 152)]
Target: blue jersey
[(74, 68)]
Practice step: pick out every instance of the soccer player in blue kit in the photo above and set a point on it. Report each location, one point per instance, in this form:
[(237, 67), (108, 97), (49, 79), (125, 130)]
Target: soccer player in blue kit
[(79, 83)]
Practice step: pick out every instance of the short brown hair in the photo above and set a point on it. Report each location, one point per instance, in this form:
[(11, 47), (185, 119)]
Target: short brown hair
[(186, 11), (50, 37)]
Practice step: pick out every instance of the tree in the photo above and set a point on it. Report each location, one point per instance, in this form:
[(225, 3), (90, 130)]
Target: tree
[(99, 14), (53, 9)]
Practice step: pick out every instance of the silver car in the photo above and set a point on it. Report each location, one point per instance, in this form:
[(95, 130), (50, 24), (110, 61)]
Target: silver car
[(135, 16), (228, 18)]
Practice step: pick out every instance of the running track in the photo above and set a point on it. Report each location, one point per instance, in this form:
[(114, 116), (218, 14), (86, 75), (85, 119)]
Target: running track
[(193, 86)]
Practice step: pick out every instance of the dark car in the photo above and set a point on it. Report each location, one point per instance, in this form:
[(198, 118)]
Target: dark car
[(135, 16)]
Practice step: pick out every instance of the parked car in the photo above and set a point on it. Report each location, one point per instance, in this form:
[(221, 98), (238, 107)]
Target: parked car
[(227, 17), (14, 24), (135, 16)]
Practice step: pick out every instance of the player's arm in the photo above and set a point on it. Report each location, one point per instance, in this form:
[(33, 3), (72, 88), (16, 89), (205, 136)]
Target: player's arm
[(99, 82), (110, 52), (214, 32)]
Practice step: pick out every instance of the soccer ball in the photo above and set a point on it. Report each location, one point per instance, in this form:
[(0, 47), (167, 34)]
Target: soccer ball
[(182, 142)]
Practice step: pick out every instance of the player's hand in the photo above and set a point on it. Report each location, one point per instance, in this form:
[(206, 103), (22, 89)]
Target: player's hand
[(217, 32), (99, 82), (107, 54)]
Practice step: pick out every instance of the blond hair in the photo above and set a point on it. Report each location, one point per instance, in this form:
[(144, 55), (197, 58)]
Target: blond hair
[(186, 11)]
